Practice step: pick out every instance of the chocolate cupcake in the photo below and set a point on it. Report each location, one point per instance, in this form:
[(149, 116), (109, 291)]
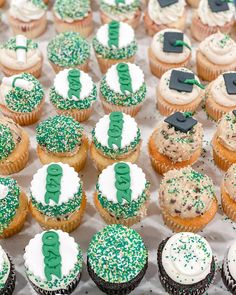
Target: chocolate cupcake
[(229, 270), (7, 274)]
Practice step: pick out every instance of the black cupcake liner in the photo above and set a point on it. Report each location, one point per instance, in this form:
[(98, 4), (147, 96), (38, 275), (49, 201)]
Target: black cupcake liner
[(10, 282), (116, 288), (175, 288), (227, 279)]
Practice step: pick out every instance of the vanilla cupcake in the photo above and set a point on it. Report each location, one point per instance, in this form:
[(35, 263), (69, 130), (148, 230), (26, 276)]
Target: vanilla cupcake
[(179, 90), (20, 54), (187, 200), (73, 93), (228, 271), (175, 143), (127, 11), (215, 55), (123, 89), (73, 16), (163, 14), (212, 16), (114, 42), (116, 137), (220, 95), (28, 17), (170, 48)]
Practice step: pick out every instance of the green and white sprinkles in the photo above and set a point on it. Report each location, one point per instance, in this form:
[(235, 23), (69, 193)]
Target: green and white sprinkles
[(119, 9), (71, 10), (11, 44), (4, 268), (7, 143)]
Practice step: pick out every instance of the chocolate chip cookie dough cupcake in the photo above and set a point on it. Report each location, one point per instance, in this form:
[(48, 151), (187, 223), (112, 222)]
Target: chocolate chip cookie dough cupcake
[(68, 50), (114, 42), (61, 139), (14, 147), (121, 275), (162, 14), (175, 143), (216, 55), (28, 17), (187, 200), (7, 273), (170, 48), (179, 90), (73, 16), (20, 54), (73, 93), (228, 268), (22, 98), (186, 264), (53, 263), (123, 89)]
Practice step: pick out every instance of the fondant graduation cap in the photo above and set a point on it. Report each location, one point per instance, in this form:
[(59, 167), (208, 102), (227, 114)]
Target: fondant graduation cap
[(230, 82), (177, 79), (170, 39), (164, 3), (181, 121), (218, 5)]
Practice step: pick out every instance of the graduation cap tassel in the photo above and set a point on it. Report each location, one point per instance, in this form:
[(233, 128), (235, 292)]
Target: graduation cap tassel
[(195, 82), (182, 43)]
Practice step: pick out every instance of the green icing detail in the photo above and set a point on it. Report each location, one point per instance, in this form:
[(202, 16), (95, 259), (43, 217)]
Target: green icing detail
[(194, 82), (120, 1), (182, 43), (24, 101), (7, 143), (72, 9), (74, 83), (3, 273), (130, 99), (117, 254), (59, 134), (120, 10), (122, 183), (124, 78), (39, 3), (11, 44), (115, 129), (113, 33), (53, 183), (68, 49), (9, 204)]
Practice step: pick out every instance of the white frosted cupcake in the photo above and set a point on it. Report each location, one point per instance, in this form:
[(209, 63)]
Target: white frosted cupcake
[(164, 14), (7, 273), (229, 270)]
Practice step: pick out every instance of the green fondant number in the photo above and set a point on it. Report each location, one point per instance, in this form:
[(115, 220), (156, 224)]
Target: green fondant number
[(115, 129), (124, 77), (53, 183), (113, 34), (122, 184), (74, 83)]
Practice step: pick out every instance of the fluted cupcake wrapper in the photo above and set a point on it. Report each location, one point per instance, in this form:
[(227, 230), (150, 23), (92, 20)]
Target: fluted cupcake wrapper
[(105, 63), (78, 115), (83, 67), (226, 205), (220, 161), (227, 279), (9, 287)]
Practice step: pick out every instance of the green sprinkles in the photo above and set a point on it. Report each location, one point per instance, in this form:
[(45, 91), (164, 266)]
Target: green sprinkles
[(3, 274), (117, 254), (40, 4), (11, 44), (7, 143), (72, 9), (117, 10)]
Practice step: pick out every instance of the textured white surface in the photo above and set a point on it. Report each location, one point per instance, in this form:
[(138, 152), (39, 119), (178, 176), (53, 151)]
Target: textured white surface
[(220, 233)]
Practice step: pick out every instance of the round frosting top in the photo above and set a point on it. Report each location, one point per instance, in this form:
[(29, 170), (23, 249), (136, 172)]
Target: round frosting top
[(177, 97), (166, 15), (68, 49), (59, 134), (27, 10), (230, 181), (71, 10), (169, 57), (219, 49), (176, 145), (226, 131), (230, 259), (4, 268), (210, 18), (58, 271), (187, 258), (186, 193), (121, 249)]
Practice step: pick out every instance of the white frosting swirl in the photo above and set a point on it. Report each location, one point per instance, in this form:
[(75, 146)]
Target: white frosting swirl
[(230, 182), (231, 258), (215, 18), (166, 15), (3, 194), (226, 131)]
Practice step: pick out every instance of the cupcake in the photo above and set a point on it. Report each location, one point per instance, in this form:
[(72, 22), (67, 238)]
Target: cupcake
[(73, 16), (128, 11), (228, 269), (21, 98), (60, 208), (7, 274), (220, 98), (108, 146), (125, 256), (179, 90), (20, 54), (123, 89), (28, 17), (170, 48), (122, 194), (61, 139), (212, 16), (215, 55), (114, 42), (224, 141), (14, 147), (175, 143), (163, 14), (13, 209), (187, 200), (186, 264), (2, 3), (68, 50), (193, 3), (59, 263), (73, 93)]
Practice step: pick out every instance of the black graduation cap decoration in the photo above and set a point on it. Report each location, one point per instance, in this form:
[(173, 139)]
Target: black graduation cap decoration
[(234, 112), (170, 41), (230, 82), (178, 81), (218, 5), (181, 121), (164, 3)]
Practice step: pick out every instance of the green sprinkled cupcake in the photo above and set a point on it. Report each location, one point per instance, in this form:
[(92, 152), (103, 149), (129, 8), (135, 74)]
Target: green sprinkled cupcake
[(22, 98), (7, 274), (73, 93), (69, 50), (61, 139), (125, 256)]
